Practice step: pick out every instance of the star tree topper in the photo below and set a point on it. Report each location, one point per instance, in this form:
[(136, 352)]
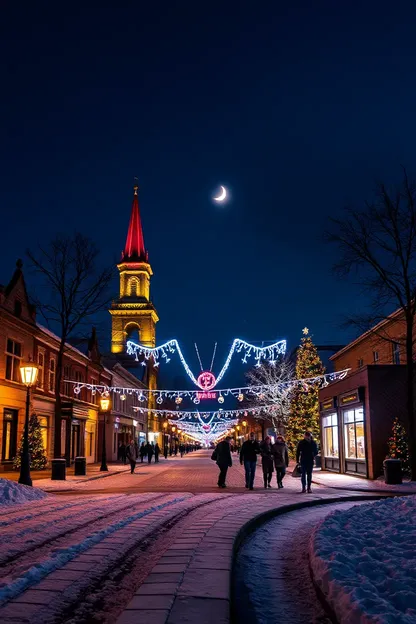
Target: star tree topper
[(305, 331)]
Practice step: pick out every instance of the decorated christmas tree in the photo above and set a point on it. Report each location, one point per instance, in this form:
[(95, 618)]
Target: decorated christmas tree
[(398, 445), (38, 459), (304, 412)]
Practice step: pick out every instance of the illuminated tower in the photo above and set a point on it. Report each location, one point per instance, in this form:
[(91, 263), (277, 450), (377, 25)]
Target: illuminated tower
[(133, 315)]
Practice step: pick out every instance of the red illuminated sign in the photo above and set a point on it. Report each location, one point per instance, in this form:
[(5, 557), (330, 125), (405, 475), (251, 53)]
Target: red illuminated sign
[(205, 395), (206, 381)]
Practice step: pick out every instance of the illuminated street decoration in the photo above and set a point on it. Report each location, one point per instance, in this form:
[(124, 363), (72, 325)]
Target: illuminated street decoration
[(240, 393), (269, 353)]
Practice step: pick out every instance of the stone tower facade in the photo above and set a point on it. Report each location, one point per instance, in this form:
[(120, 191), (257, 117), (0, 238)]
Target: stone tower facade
[(133, 315)]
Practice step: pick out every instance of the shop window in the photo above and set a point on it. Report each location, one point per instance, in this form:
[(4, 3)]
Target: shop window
[(396, 353), (41, 373), (52, 373), (330, 430), (354, 433), (43, 422), (9, 434), (13, 359), (63, 437), (375, 357)]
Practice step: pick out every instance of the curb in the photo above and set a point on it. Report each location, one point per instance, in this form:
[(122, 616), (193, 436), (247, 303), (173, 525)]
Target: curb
[(371, 491), (247, 529)]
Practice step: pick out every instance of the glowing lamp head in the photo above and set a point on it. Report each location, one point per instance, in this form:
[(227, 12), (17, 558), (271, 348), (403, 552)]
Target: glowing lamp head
[(29, 373), (104, 403), (244, 423), (173, 429), (165, 425), (238, 427)]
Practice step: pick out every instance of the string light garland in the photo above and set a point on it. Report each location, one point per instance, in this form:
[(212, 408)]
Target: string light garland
[(270, 353), (178, 396)]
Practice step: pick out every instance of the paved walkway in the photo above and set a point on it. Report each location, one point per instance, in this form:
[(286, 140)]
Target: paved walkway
[(358, 484), (159, 550)]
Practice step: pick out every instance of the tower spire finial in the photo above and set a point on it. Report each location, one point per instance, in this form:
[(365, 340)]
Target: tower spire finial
[(134, 250)]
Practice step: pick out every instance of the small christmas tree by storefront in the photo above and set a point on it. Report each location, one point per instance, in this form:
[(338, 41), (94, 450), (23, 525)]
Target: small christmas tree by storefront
[(304, 413), (398, 445), (38, 459)]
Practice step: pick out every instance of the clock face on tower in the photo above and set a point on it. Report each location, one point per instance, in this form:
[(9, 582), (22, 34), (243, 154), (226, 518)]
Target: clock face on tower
[(206, 380)]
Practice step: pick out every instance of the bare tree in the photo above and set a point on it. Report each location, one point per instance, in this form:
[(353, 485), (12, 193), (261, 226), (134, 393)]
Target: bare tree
[(75, 290), (273, 375), (378, 244)]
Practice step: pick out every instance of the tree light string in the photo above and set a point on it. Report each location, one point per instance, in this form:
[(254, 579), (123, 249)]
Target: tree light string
[(142, 394), (266, 353)]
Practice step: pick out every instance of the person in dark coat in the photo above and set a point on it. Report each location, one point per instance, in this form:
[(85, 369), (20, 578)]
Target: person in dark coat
[(248, 457), (266, 461), (150, 451), (121, 455), (280, 458), (142, 451), (305, 455), (157, 452), (131, 453), (222, 456)]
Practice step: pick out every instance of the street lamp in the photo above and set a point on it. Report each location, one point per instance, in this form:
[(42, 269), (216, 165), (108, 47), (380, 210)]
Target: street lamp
[(104, 405), (29, 374)]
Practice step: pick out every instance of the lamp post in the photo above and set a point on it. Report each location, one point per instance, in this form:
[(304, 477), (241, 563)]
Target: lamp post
[(104, 405), (29, 374)]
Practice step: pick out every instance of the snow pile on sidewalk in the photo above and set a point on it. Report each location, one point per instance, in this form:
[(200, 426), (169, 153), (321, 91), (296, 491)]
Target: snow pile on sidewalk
[(364, 561), (12, 493)]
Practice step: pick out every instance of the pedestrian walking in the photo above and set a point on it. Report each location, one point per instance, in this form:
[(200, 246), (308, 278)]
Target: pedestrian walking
[(267, 461), (150, 451), (157, 453), (143, 451), (222, 457), (305, 455), (248, 457), (182, 449), (121, 454), (131, 453), (280, 458)]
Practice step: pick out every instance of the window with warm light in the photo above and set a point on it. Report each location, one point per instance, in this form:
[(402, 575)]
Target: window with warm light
[(354, 433), (330, 431), (52, 373), (41, 367), (13, 360)]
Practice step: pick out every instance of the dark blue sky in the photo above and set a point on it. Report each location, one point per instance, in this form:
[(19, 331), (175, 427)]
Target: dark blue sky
[(296, 107)]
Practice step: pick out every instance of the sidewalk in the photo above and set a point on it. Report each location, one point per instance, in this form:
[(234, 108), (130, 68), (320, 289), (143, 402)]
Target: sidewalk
[(358, 484)]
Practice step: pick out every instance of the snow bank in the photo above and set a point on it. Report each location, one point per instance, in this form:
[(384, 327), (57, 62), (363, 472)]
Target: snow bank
[(12, 493), (364, 561)]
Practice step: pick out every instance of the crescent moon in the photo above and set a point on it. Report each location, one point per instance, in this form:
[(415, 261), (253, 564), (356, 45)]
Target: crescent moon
[(222, 195)]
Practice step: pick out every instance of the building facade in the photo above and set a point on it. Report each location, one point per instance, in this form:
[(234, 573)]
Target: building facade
[(357, 412)]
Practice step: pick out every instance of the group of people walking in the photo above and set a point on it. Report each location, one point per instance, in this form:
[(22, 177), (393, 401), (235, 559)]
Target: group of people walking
[(274, 457), (131, 453)]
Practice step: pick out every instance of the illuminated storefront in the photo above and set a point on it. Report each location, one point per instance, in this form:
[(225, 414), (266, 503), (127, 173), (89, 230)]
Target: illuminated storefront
[(356, 416)]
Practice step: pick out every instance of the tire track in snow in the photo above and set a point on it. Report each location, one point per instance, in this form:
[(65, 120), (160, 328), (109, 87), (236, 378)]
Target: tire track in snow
[(63, 556)]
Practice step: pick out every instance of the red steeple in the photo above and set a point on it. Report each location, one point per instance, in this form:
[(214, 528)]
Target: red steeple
[(134, 250)]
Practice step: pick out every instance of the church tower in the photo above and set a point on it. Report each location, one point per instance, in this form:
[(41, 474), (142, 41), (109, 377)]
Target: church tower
[(133, 315)]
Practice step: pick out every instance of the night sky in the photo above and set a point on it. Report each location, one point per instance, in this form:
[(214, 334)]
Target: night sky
[(296, 107)]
